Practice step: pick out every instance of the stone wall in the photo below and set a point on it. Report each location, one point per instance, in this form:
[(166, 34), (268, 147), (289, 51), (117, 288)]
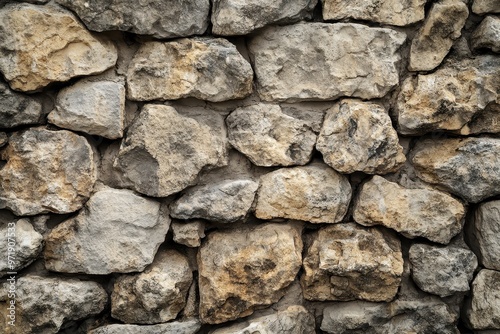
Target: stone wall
[(233, 166)]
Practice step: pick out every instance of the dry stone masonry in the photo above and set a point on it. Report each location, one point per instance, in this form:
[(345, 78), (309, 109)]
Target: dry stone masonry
[(249, 166)]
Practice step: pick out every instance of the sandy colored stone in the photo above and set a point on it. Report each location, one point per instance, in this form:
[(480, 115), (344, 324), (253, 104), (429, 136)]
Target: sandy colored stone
[(177, 327), (188, 233), (485, 6), (483, 310), (17, 109), (487, 34), (484, 234)]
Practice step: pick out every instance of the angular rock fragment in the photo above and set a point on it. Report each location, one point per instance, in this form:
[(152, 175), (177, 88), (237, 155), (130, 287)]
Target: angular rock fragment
[(17, 109), (241, 270), (485, 6), (4, 139), (486, 121), (346, 262), (177, 327), (487, 35), (268, 137), (320, 61), (483, 310), (188, 234), (314, 193), (205, 68)]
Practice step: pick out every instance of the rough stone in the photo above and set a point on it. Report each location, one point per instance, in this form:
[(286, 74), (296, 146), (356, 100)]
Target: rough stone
[(117, 231), (163, 151), (154, 17), (485, 6), (93, 107), (4, 139), (426, 213), (467, 167), (205, 68), (233, 17), (398, 13), (320, 61), (18, 109), (46, 171), (487, 35), (241, 270), (485, 121), (268, 137), (358, 136), (189, 234), (483, 310), (346, 262), (441, 28), (314, 193), (44, 44), (484, 234), (177, 327)]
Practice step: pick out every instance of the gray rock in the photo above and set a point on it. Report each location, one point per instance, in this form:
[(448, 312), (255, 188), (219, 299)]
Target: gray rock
[(314, 193), (485, 121), (18, 109), (485, 6), (467, 167), (205, 68), (188, 234), (483, 310), (161, 19), (268, 137), (4, 139), (117, 231), (320, 61), (177, 327), (487, 34)]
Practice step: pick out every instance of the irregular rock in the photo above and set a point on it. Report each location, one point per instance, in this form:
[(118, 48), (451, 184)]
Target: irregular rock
[(314, 193), (485, 6), (450, 97), (398, 13), (62, 164), (426, 213), (241, 270), (44, 44), (163, 151), (320, 61), (205, 68), (117, 231), (487, 35), (467, 167), (156, 295), (177, 327), (484, 234), (18, 109), (157, 18), (268, 137), (441, 28), (94, 107), (358, 136), (483, 310), (189, 234), (346, 262), (233, 17), (486, 121), (223, 202), (4, 139)]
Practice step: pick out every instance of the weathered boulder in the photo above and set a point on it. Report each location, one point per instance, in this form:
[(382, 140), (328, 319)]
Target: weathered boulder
[(484, 234), (205, 68), (18, 109), (177, 327), (314, 193), (189, 233), (117, 231), (483, 310), (241, 270), (46, 171), (485, 6), (320, 61), (426, 213), (487, 34)]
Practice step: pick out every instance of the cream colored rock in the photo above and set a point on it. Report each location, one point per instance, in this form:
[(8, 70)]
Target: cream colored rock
[(188, 233), (487, 34), (176, 327), (483, 310), (485, 6), (44, 44)]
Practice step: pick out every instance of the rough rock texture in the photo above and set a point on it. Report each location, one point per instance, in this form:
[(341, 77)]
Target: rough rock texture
[(485, 6), (188, 234), (426, 213), (157, 294), (450, 97), (346, 262), (320, 61), (467, 167), (205, 68), (4, 139), (313, 193), (61, 162), (162, 19), (178, 327), (483, 311), (223, 202), (17, 109), (93, 107), (235, 17), (398, 13), (163, 151), (441, 28), (268, 137), (117, 231), (486, 121), (358, 136), (484, 234), (242, 270), (43, 44), (487, 35)]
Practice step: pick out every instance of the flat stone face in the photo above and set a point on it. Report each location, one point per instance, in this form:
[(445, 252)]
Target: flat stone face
[(205, 68), (234, 17), (117, 231), (241, 270), (483, 311), (467, 167), (394, 12), (18, 109), (161, 19), (347, 262), (269, 137), (177, 327), (314, 193), (319, 61), (61, 162), (426, 213), (485, 234), (358, 136), (44, 44), (487, 35), (485, 6)]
